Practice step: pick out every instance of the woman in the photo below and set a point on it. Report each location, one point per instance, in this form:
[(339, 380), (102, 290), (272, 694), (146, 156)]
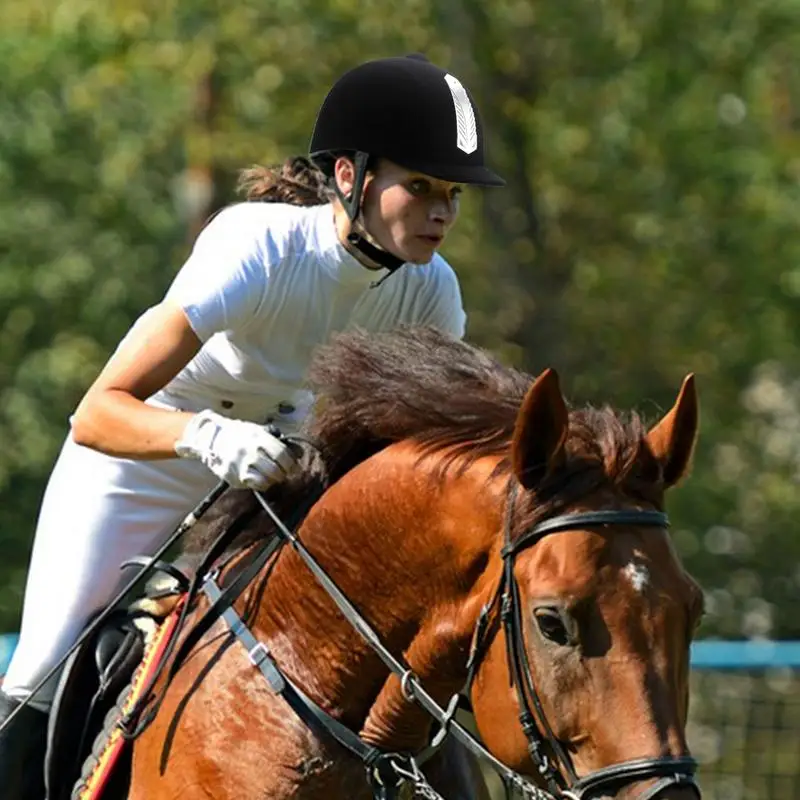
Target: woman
[(348, 240)]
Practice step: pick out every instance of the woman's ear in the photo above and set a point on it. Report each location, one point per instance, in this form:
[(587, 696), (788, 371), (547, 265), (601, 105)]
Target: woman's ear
[(344, 173)]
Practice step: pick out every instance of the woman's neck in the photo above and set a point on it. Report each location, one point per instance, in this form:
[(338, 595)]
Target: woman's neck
[(344, 226)]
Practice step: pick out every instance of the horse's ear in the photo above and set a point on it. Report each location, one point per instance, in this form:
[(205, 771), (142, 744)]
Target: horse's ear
[(672, 440), (540, 431)]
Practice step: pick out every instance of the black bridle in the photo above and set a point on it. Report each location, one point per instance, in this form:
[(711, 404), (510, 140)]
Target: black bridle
[(559, 774), (387, 770)]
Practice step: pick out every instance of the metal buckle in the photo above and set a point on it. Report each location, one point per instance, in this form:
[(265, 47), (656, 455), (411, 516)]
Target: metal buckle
[(258, 653), (406, 686)]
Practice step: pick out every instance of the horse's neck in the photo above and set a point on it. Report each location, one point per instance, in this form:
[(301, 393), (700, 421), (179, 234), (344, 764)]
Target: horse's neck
[(413, 561)]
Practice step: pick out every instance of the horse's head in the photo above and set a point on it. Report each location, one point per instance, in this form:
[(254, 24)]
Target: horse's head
[(598, 614)]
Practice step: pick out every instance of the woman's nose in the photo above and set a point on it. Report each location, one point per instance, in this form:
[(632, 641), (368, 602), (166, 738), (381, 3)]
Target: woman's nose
[(442, 211)]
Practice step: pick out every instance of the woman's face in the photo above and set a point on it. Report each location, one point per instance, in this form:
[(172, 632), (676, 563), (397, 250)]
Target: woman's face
[(407, 213)]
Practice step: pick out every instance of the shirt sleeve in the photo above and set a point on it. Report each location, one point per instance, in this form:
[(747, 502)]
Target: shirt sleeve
[(444, 308), (224, 280)]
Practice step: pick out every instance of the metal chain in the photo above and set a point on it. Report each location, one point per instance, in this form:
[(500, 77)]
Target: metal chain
[(527, 790), (424, 791), (409, 772)]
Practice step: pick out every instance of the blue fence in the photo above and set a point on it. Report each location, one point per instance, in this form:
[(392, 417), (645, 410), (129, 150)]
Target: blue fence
[(706, 655), (8, 641), (744, 719), (719, 655)]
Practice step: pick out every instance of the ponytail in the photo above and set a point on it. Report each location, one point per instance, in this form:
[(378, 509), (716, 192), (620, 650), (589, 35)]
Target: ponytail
[(297, 182)]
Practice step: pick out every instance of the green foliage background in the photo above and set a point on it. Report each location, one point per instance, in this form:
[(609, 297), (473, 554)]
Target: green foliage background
[(649, 227)]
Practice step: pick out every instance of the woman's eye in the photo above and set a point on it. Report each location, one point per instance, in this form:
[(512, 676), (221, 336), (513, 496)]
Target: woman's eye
[(456, 192), (419, 187)]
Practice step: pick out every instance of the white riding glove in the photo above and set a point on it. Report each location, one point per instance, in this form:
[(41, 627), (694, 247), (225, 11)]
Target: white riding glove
[(244, 454)]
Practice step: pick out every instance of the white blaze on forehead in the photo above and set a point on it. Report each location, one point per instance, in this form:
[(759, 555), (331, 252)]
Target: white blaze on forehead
[(637, 574)]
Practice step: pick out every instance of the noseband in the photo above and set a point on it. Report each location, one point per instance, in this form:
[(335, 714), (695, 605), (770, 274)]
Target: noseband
[(560, 774)]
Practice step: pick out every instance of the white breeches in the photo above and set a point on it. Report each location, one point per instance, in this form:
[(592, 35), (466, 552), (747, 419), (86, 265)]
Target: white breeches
[(97, 512)]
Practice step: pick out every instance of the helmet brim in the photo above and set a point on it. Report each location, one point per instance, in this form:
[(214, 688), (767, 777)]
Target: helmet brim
[(458, 173), (474, 175)]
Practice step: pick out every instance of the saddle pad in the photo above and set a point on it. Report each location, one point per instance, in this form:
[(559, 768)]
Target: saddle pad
[(94, 781)]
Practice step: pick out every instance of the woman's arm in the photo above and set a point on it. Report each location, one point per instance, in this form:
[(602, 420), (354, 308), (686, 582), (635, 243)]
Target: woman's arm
[(112, 416), (218, 288)]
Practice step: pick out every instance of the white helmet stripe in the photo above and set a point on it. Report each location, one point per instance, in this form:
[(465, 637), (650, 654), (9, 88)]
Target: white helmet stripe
[(466, 129)]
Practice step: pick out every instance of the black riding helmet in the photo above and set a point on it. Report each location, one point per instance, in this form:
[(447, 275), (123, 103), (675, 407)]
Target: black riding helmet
[(409, 111)]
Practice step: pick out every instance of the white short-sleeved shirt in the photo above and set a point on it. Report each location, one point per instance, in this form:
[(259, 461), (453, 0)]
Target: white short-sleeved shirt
[(265, 285)]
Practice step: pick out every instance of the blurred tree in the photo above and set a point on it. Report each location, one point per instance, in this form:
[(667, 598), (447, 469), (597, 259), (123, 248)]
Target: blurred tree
[(88, 147), (669, 185), (647, 230)]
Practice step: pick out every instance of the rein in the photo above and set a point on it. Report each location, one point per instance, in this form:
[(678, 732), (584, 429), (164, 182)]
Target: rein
[(382, 766), (387, 771)]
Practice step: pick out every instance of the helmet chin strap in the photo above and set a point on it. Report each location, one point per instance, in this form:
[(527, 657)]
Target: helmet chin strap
[(352, 205)]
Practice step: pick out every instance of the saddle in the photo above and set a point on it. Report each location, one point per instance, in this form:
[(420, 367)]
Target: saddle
[(94, 687)]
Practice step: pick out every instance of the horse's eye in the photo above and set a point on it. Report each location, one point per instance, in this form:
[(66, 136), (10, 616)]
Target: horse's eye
[(552, 626)]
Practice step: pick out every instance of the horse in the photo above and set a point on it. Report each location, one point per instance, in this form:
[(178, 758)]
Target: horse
[(492, 540)]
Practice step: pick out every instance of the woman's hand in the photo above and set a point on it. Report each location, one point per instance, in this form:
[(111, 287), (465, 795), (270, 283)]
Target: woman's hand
[(244, 454)]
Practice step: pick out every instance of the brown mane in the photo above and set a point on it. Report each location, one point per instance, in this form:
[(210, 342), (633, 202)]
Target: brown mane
[(420, 385)]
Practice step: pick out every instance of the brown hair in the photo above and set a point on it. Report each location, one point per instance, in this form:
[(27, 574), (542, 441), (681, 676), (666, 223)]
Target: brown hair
[(297, 182)]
